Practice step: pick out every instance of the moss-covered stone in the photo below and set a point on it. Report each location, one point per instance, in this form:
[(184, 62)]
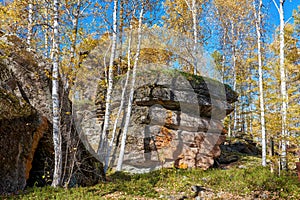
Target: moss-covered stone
[(13, 107), (26, 153)]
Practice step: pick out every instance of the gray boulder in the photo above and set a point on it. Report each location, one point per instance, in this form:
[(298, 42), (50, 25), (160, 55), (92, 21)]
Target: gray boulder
[(176, 121)]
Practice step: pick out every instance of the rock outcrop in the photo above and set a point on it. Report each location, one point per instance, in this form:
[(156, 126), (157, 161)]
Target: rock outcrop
[(176, 121), (21, 129), (231, 149), (26, 148)]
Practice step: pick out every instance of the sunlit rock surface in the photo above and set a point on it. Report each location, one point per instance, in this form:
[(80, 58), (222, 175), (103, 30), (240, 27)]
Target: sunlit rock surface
[(176, 121)]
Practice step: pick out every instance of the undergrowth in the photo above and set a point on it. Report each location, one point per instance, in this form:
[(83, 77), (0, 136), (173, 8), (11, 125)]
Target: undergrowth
[(167, 182)]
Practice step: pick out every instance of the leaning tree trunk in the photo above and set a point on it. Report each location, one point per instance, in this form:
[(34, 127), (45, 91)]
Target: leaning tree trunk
[(55, 100), (122, 102), (103, 138), (130, 101)]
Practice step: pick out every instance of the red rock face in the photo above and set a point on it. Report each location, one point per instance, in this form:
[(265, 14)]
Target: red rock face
[(160, 143), (176, 121), (163, 138)]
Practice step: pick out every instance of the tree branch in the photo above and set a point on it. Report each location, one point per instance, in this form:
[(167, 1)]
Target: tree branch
[(276, 6), (82, 11)]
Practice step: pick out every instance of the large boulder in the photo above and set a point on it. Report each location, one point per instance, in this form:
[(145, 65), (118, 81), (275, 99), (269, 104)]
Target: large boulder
[(176, 121), (25, 103), (21, 128), (26, 153)]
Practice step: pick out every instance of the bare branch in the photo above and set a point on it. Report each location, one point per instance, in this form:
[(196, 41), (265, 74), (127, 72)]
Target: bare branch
[(276, 6), (82, 11)]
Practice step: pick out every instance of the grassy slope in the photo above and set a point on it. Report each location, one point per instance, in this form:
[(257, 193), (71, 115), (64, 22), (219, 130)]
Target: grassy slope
[(244, 180)]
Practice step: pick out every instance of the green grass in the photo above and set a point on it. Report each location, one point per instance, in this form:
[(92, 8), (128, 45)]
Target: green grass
[(177, 182)]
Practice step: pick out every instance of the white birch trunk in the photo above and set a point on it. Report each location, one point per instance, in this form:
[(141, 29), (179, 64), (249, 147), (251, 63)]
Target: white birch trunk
[(46, 29), (75, 22), (46, 38), (103, 138), (194, 13), (130, 101), (283, 86), (195, 32), (223, 59), (74, 39), (55, 99), (122, 102), (30, 24), (260, 82), (234, 88), (74, 15), (234, 78), (121, 13), (283, 91)]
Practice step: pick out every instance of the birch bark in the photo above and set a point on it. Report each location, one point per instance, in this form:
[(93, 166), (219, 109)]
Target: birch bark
[(30, 24), (103, 138), (129, 107), (258, 21), (193, 9), (283, 91), (283, 86), (122, 102), (55, 100)]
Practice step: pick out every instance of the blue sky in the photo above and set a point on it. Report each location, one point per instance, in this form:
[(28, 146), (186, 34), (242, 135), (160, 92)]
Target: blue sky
[(269, 6), (273, 15)]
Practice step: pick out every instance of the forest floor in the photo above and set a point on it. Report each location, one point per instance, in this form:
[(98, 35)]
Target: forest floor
[(244, 179)]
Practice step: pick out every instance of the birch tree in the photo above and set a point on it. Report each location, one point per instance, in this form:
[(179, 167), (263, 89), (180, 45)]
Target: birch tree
[(103, 137), (45, 12), (282, 83), (193, 9), (121, 25), (234, 69), (122, 101), (75, 11), (130, 100), (30, 24), (234, 21), (257, 13), (57, 140), (183, 17)]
